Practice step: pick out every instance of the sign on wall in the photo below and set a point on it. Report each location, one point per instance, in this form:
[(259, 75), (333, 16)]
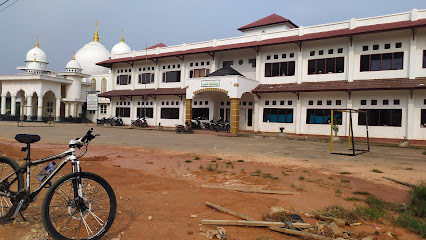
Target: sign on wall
[(92, 101), (210, 83)]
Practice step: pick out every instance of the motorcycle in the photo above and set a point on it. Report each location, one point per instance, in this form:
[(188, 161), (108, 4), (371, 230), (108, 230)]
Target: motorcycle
[(140, 123), (116, 121), (187, 128)]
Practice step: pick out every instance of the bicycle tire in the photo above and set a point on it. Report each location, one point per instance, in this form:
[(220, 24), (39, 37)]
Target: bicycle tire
[(7, 165), (49, 210)]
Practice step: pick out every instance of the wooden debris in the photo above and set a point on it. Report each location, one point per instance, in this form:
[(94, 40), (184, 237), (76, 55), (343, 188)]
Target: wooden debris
[(251, 190), (277, 229), (252, 223), (400, 182), (339, 222)]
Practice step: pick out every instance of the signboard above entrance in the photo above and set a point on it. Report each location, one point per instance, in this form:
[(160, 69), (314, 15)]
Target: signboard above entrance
[(210, 83), (92, 101)]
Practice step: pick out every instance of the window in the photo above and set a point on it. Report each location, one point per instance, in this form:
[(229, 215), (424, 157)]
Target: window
[(311, 102), (396, 102), (280, 69), (398, 45), (338, 102), (319, 102), (93, 85), (363, 102), (281, 102), (321, 52), (274, 102), (387, 46), (289, 102), (284, 55), (328, 102), (200, 112), (122, 112), (170, 113), (275, 57), (49, 107), (312, 53), (385, 102), (423, 118), (373, 102), (278, 115), (123, 79), (340, 50), (252, 61), (103, 108), (375, 47), (381, 117), (291, 55), (145, 78), (364, 48), (196, 73), (172, 76), (229, 63), (141, 112), (330, 51), (380, 62), (103, 85), (326, 65), (322, 116), (424, 58), (206, 102), (266, 102)]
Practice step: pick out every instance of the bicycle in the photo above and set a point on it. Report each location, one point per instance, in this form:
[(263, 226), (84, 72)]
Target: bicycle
[(79, 205)]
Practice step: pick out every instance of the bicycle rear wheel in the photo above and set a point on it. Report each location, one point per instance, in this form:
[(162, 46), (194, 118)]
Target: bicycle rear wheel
[(10, 186), (69, 212)]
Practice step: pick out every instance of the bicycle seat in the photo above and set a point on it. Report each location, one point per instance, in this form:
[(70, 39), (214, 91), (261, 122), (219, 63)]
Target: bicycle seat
[(27, 138)]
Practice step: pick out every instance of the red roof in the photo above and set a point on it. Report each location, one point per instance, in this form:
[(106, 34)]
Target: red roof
[(143, 92), (269, 20), (291, 39), (157, 45), (357, 85)]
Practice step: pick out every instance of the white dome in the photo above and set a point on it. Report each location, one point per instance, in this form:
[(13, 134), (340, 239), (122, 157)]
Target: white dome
[(120, 48), (91, 54), (73, 64), (36, 53), (33, 66)]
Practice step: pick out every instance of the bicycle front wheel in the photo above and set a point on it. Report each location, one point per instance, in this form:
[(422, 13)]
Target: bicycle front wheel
[(11, 182), (79, 206)]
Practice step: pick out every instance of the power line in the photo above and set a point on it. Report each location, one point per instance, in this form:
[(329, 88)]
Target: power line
[(8, 5), (4, 2)]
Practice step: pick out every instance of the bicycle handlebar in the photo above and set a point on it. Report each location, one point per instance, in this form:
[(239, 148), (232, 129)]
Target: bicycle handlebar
[(88, 137)]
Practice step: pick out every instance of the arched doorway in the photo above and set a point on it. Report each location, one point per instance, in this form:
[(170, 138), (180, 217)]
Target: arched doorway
[(49, 105), (212, 104)]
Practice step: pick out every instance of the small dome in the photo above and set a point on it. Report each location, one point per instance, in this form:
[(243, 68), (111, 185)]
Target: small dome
[(120, 48), (34, 66), (36, 53), (73, 64), (91, 54)]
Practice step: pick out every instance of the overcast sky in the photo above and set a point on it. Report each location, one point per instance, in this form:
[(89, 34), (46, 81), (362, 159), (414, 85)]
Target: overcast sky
[(64, 26)]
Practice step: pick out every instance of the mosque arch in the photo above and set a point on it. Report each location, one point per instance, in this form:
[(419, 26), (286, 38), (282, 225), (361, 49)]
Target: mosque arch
[(93, 85)]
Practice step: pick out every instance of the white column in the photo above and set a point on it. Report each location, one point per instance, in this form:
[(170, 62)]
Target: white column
[(409, 127), (67, 109), (259, 66), (40, 109), (412, 66), (158, 76), (182, 112), (30, 108), (183, 75), (3, 104), (299, 72), (58, 109), (350, 66), (72, 109), (298, 116), (13, 106)]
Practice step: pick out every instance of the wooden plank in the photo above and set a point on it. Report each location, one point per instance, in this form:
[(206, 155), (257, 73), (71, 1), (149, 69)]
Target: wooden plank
[(277, 229), (400, 182), (251, 190), (252, 223)]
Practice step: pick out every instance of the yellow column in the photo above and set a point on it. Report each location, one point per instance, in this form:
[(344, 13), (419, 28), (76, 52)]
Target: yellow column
[(235, 115), (188, 111)]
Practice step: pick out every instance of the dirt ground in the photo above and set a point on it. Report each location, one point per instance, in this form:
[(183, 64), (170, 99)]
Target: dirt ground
[(166, 185)]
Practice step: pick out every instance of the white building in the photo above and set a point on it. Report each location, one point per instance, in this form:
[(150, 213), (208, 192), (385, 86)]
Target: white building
[(278, 74)]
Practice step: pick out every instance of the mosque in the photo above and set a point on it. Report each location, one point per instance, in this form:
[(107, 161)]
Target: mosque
[(275, 75)]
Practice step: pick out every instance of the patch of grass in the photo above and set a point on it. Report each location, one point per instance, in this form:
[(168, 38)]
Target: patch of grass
[(406, 220), (188, 161), (197, 158), (306, 171), (201, 166), (376, 171), (354, 199), (229, 164), (338, 191), (219, 158), (289, 170), (213, 161), (268, 175), (424, 153), (242, 170), (361, 193), (210, 168), (344, 173), (409, 168), (284, 173), (331, 178), (345, 180), (258, 171), (337, 211), (240, 160), (301, 178)]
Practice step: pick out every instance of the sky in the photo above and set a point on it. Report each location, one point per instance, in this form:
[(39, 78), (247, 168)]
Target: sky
[(64, 26)]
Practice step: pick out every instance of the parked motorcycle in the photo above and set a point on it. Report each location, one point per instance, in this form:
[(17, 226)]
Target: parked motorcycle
[(187, 128), (116, 121), (140, 123)]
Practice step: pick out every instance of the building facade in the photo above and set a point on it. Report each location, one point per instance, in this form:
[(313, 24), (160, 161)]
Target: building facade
[(277, 74)]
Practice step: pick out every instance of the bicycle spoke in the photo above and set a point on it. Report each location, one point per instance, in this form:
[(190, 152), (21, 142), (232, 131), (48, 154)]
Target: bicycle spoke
[(98, 219), (86, 226)]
